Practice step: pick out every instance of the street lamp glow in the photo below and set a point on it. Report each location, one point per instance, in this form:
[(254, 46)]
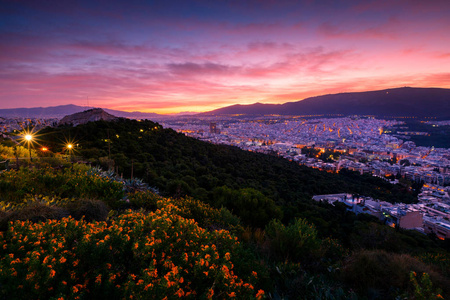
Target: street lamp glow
[(69, 146), (28, 137)]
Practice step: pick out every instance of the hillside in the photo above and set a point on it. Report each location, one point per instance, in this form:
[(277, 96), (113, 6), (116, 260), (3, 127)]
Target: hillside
[(398, 102)]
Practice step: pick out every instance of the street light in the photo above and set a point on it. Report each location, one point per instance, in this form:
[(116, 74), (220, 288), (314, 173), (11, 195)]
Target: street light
[(69, 147), (29, 138)]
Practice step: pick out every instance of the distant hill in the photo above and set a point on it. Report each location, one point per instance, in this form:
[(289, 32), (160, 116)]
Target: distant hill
[(64, 110), (90, 115), (398, 102)]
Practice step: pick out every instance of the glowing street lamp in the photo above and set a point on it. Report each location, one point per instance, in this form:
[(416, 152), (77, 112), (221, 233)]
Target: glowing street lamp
[(69, 147), (28, 137)]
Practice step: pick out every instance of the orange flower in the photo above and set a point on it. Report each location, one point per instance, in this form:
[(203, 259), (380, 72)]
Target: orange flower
[(260, 294), (210, 294), (62, 260), (52, 273), (98, 279), (180, 293)]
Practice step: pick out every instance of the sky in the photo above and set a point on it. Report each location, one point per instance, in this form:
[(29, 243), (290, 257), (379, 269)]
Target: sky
[(175, 56)]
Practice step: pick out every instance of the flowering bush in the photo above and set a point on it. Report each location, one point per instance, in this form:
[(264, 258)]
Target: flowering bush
[(160, 255)]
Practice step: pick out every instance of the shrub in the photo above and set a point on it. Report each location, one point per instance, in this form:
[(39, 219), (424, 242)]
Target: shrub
[(383, 275), (146, 200), (91, 210), (422, 289), (297, 242)]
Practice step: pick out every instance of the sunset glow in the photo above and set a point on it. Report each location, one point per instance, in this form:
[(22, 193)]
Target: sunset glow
[(175, 56)]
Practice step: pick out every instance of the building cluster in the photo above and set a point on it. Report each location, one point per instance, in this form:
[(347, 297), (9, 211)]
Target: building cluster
[(19, 124), (430, 215)]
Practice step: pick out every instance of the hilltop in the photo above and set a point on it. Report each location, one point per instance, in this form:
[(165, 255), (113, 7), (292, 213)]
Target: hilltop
[(398, 102), (90, 115)]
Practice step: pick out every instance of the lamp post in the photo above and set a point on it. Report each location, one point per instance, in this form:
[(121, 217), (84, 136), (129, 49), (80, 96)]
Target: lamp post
[(69, 147), (29, 138)]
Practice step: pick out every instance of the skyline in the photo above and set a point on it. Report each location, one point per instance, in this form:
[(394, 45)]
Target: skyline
[(200, 55)]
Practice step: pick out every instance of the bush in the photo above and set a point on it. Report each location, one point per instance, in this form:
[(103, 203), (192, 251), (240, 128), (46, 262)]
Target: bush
[(382, 275), (146, 200), (297, 242), (91, 210)]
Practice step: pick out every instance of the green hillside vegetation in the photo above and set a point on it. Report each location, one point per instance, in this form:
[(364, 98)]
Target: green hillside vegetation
[(246, 222)]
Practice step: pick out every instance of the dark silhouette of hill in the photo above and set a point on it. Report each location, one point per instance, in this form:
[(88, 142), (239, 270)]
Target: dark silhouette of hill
[(64, 110), (90, 115), (398, 102)]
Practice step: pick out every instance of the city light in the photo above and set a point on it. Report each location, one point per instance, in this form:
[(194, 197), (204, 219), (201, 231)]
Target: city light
[(28, 137)]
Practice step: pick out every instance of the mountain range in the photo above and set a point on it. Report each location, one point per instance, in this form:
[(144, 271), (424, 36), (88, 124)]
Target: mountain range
[(397, 102)]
